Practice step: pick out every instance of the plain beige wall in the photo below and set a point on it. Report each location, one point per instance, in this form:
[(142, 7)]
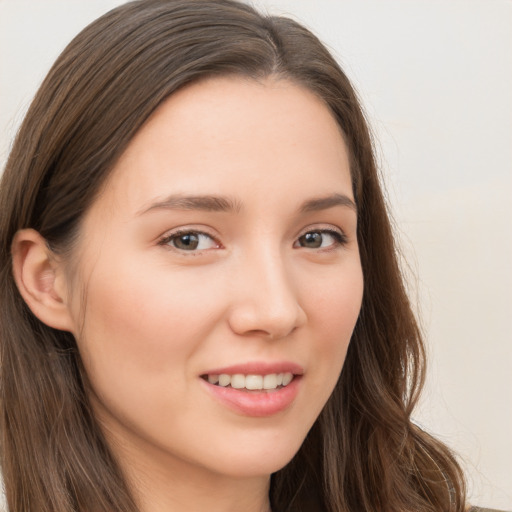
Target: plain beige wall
[(436, 77)]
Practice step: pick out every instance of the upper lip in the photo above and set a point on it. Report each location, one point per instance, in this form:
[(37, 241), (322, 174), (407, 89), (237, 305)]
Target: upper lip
[(258, 368)]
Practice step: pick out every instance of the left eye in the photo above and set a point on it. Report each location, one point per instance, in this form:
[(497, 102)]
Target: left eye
[(190, 241), (319, 239)]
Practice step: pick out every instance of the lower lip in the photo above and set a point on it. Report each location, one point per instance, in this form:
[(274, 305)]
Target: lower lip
[(256, 403)]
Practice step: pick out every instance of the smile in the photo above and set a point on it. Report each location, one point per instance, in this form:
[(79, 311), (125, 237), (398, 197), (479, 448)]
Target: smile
[(251, 382)]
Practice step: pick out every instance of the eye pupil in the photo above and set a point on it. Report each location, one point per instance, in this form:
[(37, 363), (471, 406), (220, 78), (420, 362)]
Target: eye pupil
[(187, 241), (312, 240)]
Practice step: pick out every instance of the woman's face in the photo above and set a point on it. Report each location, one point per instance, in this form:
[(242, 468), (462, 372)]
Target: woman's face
[(220, 258)]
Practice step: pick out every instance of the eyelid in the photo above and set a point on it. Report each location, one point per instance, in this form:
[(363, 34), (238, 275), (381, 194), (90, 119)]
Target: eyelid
[(326, 228), (336, 232), (166, 238)]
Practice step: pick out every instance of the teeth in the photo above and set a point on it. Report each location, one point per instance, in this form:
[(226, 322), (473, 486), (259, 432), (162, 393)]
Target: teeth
[(270, 381), (252, 382), (238, 381), (287, 378), (224, 380), (213, 379)]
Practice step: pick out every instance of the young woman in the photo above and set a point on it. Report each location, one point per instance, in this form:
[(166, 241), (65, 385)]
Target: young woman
[(201, 305)]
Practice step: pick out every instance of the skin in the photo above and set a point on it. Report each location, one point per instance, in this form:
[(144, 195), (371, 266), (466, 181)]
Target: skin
[(156, 317)]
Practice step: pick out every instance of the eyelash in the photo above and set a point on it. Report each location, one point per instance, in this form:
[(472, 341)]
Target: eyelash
[(167, 240), (340, 239)]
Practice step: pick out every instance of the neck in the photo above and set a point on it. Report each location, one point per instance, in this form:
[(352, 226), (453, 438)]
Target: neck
[(196, 493)]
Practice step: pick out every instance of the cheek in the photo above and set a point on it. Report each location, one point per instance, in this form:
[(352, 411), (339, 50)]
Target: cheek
[(142, 326), (333, 312), (142, 334), (334, 305)]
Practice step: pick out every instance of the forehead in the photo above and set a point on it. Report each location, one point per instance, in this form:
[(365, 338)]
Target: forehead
[(237, 135)]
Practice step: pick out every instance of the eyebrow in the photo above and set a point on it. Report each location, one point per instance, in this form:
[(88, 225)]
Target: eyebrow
[(326, 202), (210, 203), (202, 203)]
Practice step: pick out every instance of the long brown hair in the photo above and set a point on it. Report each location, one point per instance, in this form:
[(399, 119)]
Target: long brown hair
[(364, 452)]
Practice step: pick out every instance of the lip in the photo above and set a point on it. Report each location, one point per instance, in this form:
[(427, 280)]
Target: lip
[(258, 368), (256, 403)]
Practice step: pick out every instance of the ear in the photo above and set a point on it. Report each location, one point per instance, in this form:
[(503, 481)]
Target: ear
[(41, 280)]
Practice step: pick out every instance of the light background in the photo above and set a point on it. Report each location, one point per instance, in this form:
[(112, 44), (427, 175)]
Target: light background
[(436, 80)]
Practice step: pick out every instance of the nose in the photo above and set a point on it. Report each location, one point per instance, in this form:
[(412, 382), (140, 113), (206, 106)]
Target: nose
[(265, 301)]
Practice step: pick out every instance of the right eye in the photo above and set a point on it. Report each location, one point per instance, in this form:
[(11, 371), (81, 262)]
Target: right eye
[(190, 241)]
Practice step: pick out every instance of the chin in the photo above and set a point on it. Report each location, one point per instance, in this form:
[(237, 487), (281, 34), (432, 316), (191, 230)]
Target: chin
[(257, 459)]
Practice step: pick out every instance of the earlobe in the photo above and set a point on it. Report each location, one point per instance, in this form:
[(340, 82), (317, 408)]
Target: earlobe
[(40, 279)]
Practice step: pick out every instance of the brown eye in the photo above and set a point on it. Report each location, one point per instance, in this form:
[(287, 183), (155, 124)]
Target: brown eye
[(186, 241), (311, 240), (190, 241), (320, 239)]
